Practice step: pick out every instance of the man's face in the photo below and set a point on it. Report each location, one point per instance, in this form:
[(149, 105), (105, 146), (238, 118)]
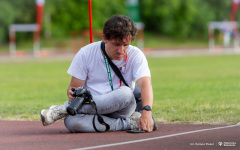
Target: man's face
[(116, 49)]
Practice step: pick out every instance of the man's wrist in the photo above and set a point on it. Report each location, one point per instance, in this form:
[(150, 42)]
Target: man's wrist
[(147, 108), (146, 113)]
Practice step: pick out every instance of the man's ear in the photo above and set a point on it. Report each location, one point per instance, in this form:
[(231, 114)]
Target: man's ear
[(104, 38)]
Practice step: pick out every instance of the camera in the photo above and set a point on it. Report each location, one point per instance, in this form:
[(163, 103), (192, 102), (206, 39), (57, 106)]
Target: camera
[(82, 95)]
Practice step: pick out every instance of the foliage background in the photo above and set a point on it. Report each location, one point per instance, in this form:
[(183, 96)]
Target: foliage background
[(171, 18)]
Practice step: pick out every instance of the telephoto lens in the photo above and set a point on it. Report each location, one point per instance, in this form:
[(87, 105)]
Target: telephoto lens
[(75, 105)]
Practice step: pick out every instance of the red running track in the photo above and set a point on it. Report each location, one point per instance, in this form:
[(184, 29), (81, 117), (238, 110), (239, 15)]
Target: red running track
[(31, 135)]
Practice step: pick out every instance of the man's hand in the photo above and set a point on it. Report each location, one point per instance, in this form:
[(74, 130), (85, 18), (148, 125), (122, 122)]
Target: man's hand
[(70, 93), (145, 122), (75, 82)]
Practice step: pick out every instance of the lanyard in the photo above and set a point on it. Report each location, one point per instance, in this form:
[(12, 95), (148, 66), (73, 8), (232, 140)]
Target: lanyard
[(109, 71)]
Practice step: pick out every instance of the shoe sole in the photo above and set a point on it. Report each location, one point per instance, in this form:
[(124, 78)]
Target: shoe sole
[(42, 118), (155, 126)]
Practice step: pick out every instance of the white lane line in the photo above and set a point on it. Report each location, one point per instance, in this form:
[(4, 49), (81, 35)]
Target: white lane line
[(154, 138)]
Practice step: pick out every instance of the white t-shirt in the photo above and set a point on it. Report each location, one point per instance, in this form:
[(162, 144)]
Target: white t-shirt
[(89, 65)]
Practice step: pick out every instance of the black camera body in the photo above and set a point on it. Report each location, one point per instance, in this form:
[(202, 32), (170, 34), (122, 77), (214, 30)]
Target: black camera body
[(82, 95)]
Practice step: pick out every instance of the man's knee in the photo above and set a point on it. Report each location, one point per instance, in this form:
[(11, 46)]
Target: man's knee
[(126, 93)]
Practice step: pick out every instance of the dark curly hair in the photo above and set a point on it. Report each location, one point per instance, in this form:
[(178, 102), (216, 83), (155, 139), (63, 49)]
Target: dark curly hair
[(119, 27)]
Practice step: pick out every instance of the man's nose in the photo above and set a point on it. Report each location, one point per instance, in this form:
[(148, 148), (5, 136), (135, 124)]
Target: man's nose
[(120, 48)]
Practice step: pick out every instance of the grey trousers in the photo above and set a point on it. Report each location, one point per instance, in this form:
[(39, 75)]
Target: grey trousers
[(115, 107)]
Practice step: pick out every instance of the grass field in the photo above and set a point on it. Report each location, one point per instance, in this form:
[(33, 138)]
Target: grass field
[(190, 89)]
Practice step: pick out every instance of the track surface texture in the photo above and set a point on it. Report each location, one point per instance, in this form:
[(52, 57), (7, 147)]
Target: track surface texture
[(31, 135)]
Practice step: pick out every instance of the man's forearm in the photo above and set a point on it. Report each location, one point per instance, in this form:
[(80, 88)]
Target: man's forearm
[(145, 87)]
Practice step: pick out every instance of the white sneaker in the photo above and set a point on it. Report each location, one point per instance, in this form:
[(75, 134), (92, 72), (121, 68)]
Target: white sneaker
[(52, 106), (134, 120), (49, 116)]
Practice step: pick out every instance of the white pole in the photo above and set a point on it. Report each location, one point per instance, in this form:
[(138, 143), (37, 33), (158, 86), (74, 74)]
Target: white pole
[(12, 44)]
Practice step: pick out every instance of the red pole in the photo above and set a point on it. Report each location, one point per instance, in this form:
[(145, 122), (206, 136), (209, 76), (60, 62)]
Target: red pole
[(39, 15), (234, 11), (90, 19)]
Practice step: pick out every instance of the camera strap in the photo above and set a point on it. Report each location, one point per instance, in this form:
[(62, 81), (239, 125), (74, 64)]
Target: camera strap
[(100, 119)]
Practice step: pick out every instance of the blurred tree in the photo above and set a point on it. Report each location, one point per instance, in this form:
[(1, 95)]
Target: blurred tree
[(175, 18), (17, 12), (24, 11), (220, 8), (71, 15), (104, 9), (182, 18), (6, 18)]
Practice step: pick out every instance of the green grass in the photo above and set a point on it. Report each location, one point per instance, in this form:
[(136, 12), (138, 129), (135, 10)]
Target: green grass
[(27, 87), (155, 41), (202, 90), (196, 89)]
